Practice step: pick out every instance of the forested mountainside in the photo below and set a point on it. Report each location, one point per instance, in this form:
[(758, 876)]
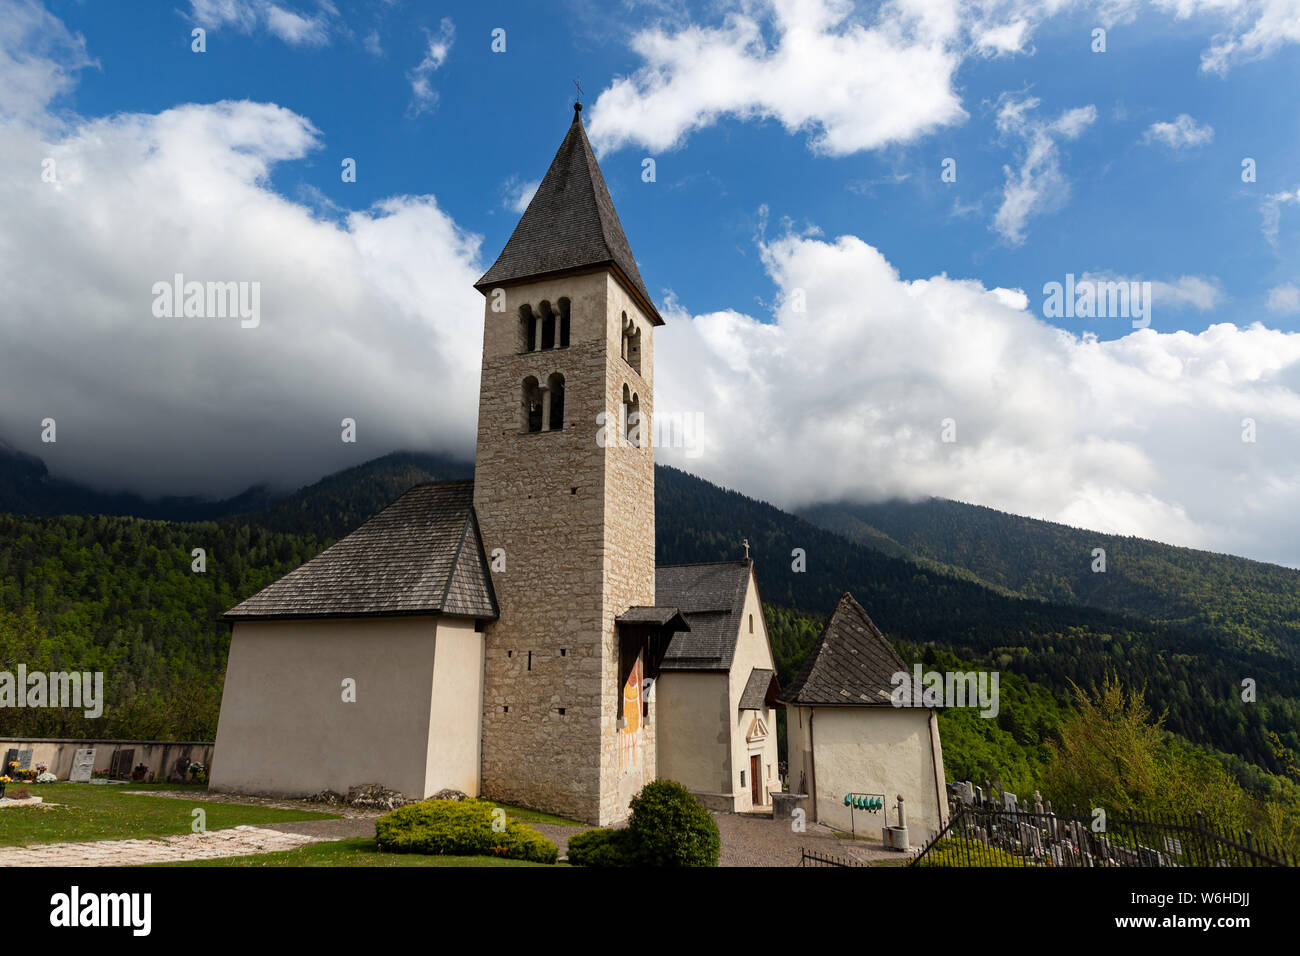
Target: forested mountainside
[(118, 594), (1252, 602)]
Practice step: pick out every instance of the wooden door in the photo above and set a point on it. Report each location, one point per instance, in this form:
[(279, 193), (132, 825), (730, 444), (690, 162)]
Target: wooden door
[(756, 778)]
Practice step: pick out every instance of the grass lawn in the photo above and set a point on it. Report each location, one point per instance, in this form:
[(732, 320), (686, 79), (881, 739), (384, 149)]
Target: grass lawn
[(91, 812), (524, 815), (360, 852)]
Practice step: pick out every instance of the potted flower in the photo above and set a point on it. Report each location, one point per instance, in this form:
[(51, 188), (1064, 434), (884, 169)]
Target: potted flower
[(4, 781)]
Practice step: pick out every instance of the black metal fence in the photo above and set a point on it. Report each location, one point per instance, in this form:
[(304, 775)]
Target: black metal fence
[(991, 835), (813, 858)]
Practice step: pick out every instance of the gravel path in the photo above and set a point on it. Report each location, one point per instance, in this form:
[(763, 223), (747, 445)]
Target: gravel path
[(758, 841), (234, 841)]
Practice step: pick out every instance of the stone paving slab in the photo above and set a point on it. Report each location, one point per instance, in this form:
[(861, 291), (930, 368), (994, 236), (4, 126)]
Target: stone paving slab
[(234, 841)]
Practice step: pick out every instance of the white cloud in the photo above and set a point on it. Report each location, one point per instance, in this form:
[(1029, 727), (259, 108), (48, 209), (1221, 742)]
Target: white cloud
[(1038, 185), (1183, 133), (519, 193), (365, 314), (39, 61), (1284, 298), (247, 16), (1184, 292), (1139, 435), (424, 96), (851, 84), (1246, 29), (1271, 211), (858, 78)]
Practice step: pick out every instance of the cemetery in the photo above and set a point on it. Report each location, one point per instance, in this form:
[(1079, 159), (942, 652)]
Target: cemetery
[(990, 828)]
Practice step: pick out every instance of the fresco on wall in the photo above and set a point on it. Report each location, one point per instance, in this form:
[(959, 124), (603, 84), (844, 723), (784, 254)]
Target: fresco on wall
[(629, 738)]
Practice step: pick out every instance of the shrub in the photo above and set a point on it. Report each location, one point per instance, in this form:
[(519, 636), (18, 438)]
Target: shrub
[(459, 828), (672, 828), (603, 848), (668, 827)]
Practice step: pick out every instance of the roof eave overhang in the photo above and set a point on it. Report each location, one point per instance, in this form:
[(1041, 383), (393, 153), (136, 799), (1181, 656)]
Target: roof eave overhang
[(609, 265), (231, 618)]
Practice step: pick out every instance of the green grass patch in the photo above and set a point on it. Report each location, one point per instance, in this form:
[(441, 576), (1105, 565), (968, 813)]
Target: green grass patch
[(90, 812), (359, 852), (524, 815), (970, 853)]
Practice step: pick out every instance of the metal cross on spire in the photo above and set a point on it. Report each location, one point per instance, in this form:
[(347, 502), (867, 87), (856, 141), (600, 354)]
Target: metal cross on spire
[(577, 83)]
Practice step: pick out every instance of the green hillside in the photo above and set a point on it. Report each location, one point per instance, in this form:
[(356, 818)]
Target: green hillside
[(118, 594), (1253, 603)]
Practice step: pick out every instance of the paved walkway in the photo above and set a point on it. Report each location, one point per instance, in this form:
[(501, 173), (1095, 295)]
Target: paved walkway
[(751, 840), (747, 839), (234, 841)]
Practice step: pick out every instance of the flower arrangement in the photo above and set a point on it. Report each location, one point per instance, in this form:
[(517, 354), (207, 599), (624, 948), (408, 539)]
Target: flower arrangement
[(18, 774), (4, 781), (198, 772), (47, 777)]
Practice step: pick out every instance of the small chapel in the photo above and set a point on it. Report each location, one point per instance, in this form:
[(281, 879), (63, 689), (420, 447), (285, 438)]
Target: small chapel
[(510, 636)]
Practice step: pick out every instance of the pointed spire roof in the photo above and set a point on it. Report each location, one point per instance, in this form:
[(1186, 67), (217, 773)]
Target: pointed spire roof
[(569, 225), (852, 664)]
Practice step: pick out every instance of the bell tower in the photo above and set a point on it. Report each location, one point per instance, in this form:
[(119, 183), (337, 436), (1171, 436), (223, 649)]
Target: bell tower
[(564, 492)]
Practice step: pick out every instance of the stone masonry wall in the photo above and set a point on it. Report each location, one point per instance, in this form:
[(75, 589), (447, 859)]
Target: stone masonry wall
[(576, 522)]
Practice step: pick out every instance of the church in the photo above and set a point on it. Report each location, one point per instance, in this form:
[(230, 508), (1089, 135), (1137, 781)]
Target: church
[(510, 636)]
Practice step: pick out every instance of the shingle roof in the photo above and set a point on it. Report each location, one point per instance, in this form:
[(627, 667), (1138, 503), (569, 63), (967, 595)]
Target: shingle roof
[(712, 599), (851, 663), (570, 223), (755, 694), (421, 555), (652, 614)]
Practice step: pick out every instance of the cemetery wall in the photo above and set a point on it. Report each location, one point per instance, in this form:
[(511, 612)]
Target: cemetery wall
[(162, 758)]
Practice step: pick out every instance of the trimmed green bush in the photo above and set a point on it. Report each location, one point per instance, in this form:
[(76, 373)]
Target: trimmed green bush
[(602, 848), (459, 828), (672, 828), (668, 827)]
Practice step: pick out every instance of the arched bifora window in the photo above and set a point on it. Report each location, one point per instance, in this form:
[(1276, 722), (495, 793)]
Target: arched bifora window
[(631, 417), (555, 394), (631, 347), (531, 405)]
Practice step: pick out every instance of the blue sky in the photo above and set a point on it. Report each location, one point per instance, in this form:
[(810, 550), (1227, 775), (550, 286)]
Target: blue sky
[(1134, 209), (832, 302)]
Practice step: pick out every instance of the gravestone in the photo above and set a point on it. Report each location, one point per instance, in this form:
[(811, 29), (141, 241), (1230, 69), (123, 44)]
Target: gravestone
[(22, 757), (83, 765), (1173, 846), (1009, 801)]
